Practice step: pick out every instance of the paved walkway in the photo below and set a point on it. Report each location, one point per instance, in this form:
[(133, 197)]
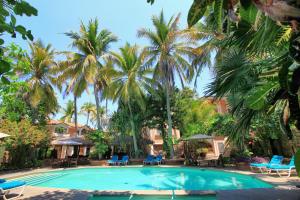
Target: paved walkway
[(285, 189), (260, 194)]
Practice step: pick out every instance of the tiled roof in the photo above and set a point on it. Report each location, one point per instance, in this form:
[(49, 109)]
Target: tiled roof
[(55, 122)]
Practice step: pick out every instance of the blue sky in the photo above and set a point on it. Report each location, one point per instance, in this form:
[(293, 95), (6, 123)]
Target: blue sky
[(122, 17)]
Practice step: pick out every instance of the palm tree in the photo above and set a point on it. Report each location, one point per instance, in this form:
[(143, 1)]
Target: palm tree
[(41, 76), (256, 73), (68, 112), (91, 44), (93, 117), (130, 81), (88, 109), (170, 48)]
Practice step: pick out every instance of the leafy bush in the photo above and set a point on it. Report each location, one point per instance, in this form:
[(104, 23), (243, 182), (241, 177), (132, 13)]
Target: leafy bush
[(100, 143), (297, 162), (24, 142)]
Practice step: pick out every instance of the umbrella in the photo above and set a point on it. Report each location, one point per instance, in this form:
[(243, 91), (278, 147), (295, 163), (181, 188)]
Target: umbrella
[(3, 135), (71, 142)]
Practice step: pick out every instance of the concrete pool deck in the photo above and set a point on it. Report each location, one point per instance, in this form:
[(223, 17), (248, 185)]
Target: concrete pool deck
[(285, 188)]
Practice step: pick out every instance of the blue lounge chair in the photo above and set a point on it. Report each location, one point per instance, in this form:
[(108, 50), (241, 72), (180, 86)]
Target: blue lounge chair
[(158, 159), (114, 160), (283, 168), (276, 160), (7, 186), (149, 160), (124, 160)]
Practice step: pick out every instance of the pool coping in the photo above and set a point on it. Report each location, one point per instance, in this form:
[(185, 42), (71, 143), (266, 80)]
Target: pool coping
[(154, 192)]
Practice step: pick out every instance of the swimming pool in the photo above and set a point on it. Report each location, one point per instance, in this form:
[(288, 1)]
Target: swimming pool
[(144, 178)]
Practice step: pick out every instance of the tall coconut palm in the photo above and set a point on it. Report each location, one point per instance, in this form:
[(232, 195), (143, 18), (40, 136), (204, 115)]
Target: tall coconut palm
[(91, 45), (88, 109), (130, 81), (170, 48), (41, 76), (68, 112)]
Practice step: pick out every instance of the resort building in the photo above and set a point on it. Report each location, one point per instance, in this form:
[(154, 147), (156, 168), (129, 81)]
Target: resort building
[(153, 135), (68, 142), (221, 104)]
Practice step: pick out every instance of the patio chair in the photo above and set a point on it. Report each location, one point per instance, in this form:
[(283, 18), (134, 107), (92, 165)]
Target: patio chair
[(56, 163), (114, 160), (124, 160), (158, 159), (73, 162), (276, 160), (7, 186), (149, 160), (283, 168)]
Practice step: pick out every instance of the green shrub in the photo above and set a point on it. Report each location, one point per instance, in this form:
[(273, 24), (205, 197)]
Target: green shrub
[(297, 162)]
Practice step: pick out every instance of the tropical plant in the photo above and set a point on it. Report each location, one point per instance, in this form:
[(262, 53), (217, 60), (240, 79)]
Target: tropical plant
[(281, 10), (130, 81), (24, 142), (41, 76), (84, 65), (88, 109), (297, 161), (93, 117), (8, 23), (14, 108), (256, 72), (170, 47), (68, 112), (100, 142)]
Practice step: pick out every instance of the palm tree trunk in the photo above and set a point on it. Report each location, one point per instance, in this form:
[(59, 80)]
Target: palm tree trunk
[(97, 108), (87, 118), (106, 103), (170, 135), (133, 132), (75, 112)]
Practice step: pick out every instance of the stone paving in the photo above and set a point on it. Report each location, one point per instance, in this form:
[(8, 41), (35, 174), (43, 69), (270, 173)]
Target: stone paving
[(285, 189)]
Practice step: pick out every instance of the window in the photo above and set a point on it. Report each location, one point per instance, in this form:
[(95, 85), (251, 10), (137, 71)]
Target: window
[(221, 147), (60, 130)]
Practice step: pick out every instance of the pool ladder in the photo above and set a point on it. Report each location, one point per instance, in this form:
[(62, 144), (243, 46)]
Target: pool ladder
[(40, 178)]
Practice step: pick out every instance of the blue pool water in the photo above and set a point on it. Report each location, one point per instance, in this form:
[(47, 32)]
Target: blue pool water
[(145, 178)]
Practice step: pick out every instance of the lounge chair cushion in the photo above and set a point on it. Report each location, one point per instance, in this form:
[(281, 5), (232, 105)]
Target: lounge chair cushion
[(276, 160), (114, 159), (259, 164), (2, 180), (149, 159), (282, 167), (11, 184)]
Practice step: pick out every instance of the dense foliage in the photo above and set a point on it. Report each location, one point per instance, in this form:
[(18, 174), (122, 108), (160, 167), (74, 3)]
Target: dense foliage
[(8, 23), (24, 143), (100, 141), (190, 114)]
